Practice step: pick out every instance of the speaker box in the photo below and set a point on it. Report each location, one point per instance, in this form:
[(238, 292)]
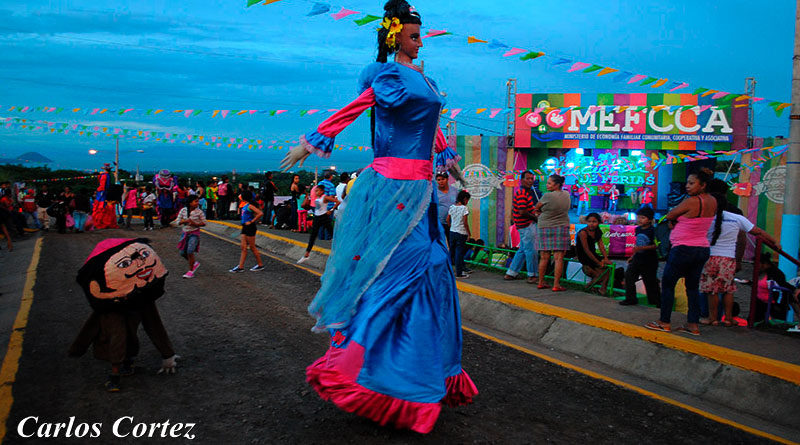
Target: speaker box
[(587, 151), (624, 153)]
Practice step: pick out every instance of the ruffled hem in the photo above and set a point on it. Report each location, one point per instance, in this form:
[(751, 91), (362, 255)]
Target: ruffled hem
[(446, 160), (319, 145), (460, 390), (331, 385)]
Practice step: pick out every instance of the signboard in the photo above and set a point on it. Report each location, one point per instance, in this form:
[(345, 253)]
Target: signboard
[(629, 121)]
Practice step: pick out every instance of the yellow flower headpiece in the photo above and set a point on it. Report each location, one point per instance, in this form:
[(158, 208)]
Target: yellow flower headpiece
[(394, 26)]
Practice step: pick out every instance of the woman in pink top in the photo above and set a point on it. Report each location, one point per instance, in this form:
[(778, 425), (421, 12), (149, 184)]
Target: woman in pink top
[(131, 203), (691, 220)]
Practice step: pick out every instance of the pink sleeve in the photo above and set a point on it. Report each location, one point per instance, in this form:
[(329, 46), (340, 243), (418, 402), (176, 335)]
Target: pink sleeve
[(334, 125), (441, 141), (321, 140)]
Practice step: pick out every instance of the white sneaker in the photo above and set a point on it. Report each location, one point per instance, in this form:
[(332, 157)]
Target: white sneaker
[(303, 259), (794, 329), (256, 268), (189, 274)]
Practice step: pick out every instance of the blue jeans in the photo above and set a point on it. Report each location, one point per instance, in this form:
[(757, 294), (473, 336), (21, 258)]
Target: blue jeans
[(458, 244), (583, 205), (34, 217), (683, 262), (612, 205), (80, 220), (527, 252)]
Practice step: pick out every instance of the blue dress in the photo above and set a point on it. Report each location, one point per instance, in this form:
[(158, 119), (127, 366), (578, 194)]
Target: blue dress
[(388, 295)]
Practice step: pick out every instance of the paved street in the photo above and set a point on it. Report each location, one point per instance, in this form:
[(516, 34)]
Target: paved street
[(245, 340)]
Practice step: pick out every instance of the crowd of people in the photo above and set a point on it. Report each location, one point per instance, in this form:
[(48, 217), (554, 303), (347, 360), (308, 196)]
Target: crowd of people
[(704, 235)]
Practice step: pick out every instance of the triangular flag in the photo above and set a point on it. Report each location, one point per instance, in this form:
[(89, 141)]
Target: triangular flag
[(480, 110), (636, 78), (318, 8), (659, 83), (648, 81), (532, 55), (281, 111), (708, 92), (188, 113), (455, 113), (366, 19), (593, 68), (606, 70), (196, 112), (720, 95), (344, 12), (310, 112), (561, 61), (216, 112), (494, 112), (497, 44), (224, 113), (473, 39), (252, 2), (524, 111), (514, 52), (700, 91), (625, 75), (578, 66), (677, 86), (434, 33)]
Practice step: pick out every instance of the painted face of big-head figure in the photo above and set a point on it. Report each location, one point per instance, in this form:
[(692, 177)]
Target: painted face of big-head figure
[(122, 273), (135, 266)]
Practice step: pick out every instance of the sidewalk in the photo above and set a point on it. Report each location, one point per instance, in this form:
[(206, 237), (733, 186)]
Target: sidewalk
[(785, 348)]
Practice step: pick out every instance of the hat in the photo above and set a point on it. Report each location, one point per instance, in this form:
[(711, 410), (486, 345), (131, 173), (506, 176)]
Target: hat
[(106, 244), (106, 166)]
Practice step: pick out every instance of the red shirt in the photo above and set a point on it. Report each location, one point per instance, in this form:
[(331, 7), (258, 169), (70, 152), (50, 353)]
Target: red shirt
[(614, 193), (583, 193), (524, 200), (647, 198)]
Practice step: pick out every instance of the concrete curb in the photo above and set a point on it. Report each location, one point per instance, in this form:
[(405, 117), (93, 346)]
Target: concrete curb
[(761, 387)]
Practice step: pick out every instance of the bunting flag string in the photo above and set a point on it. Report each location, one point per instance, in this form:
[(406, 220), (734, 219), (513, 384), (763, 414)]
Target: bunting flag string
[(73, 178), (154, 136), (576, 66), (302, 112)]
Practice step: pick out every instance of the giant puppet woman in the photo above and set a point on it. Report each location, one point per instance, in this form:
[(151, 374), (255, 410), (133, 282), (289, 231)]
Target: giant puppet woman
[(388, 295)]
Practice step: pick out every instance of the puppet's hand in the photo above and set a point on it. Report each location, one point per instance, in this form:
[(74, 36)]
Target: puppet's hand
[(296, 153), (169, 365), (455, 172)]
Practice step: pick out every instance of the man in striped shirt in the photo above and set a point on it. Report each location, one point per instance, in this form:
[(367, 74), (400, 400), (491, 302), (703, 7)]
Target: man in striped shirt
[(525, 198)]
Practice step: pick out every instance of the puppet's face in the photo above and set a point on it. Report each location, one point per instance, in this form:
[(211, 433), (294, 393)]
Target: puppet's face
[(135, 266)]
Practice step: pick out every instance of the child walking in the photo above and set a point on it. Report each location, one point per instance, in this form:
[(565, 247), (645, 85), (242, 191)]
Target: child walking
[(644, 262), (322, 218), (148, 206), (251, 214), (459, 231), (131, 204), (190, 219)]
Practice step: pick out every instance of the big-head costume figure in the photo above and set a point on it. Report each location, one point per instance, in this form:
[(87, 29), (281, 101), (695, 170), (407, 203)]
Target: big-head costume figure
[(122, 278), (103, 214), (165, 183)]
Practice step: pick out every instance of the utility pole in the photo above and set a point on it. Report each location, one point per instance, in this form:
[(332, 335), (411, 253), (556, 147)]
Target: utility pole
[(511, 102), (116, 164), (790, 227)]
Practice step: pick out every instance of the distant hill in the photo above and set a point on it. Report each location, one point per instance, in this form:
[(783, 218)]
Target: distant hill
[(30, 157)]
